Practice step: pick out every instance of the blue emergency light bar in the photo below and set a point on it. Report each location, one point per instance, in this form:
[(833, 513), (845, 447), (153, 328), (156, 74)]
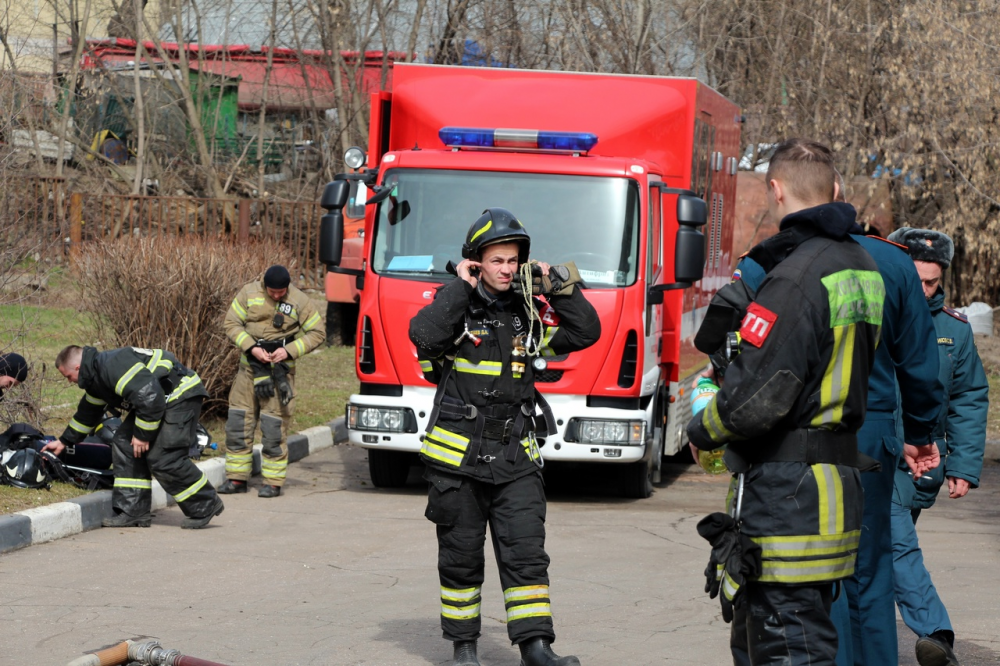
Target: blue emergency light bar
[(471, 137)]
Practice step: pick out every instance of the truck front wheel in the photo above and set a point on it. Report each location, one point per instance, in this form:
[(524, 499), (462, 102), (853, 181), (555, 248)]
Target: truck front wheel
[(389, 469), (637, 479)]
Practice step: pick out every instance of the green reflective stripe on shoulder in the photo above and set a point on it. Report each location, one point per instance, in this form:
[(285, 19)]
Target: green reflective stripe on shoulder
[(192, 489), (457, 613), (729, 586), (836, 379), (241, 312), (147, 425), (464, 594), (855, 296), (808, 571), (788, 547), (441, 454), (713, 422), (493, 368), (94, 401), (140, 484), (186, 385), (154, 359), (255, 300), (127, 377), (311, 322), (528, 610), (79, 427), (240, 339), (830, 489)]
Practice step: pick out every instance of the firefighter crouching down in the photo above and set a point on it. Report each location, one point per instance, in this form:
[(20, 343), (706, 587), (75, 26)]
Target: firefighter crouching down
[(163, 400), (477, 341), (273, 324), (789, 410)]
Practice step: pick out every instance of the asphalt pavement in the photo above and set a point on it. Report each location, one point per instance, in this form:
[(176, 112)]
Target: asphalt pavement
[(337, 572)]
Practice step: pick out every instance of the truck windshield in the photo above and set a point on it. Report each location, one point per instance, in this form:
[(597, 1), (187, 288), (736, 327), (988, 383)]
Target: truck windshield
[(593, 221)]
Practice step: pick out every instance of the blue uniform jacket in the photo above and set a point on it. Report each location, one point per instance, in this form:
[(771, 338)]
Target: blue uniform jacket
[(907, 350), (960, 432)]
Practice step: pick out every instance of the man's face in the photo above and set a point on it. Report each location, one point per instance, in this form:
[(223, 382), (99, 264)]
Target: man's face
[(276, 294), (71, 373), (6, 381), (930, 277), (499, 265)]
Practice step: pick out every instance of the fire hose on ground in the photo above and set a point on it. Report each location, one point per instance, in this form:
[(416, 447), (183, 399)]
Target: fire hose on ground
[(147, 653)]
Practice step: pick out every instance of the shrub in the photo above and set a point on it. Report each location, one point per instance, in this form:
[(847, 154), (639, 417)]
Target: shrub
[(173, 293)]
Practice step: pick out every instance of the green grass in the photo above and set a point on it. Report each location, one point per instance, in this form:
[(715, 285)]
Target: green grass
[(993, 418)]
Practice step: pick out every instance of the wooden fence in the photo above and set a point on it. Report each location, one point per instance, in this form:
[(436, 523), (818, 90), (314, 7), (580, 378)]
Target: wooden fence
[(60, 223)]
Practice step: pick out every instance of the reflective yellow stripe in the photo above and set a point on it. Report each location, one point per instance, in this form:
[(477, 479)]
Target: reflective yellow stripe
[(481, 231), (528, 610), (426, 366), (255, 300), (79, 427), (532, 452), (544, 347), (147, 425), (456, 613), (94, 401), (527, 592), (192, 489), (830, 491), (186, 384), (713, 422), (273, 469), (262, 378), (240, 311), (483, 368), (729, 586), (465, 594), (140, 484), (239, 463), (299, 345), (311, 322), (241, 338), (127, 377), (441, 454), (154, 360), (837, 378), (447, 437), (777, 571), (808, 546)]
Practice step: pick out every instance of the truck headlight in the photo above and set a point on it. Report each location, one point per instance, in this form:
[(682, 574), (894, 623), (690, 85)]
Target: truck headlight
[(599, 431), (381, 419)]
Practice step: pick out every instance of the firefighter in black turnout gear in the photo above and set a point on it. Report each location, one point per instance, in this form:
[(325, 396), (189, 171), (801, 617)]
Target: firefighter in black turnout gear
[(481, 341), (790, 409), (162, 399)]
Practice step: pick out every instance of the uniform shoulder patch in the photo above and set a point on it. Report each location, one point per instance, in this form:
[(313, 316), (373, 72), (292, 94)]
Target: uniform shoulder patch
[(946, 341), (886, 240), (548, 315), (757, 324), (956, 314), (737, 275)]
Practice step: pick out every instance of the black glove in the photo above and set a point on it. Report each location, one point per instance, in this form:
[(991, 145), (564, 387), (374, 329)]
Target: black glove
[(263, 385), (280, 373), (734, 558)]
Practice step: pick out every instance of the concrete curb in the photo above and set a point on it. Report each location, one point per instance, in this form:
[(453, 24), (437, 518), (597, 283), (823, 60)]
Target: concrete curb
[(80, 514)]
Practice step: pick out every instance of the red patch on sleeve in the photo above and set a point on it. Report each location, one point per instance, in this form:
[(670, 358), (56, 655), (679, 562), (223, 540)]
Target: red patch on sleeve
[(549, 316), (757, 324)]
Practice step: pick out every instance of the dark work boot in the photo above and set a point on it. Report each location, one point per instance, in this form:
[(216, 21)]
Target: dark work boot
[(198, 523), (936, 649), (230, 487), (125, 520), (465, 654), (538, 652), (269, 491)]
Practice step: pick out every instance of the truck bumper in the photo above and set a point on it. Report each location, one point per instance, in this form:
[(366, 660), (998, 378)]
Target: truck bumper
[(555, 448)]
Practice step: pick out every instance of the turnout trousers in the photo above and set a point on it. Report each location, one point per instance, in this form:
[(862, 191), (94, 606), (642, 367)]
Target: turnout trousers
[(916, 596), (784, 625), (167, 460), (461, 508), (865, 615), (246, 411)]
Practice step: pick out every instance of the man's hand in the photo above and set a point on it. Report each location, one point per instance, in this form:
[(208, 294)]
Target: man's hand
[(543, 266), (464, 269), (139, 447), (921, 459), (55, 447), (278, 355), (261, 355), (957, 487)]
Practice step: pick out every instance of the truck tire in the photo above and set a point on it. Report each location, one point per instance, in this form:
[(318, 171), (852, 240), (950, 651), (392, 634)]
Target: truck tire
[(637, 480), (341, 324), (388, 469)]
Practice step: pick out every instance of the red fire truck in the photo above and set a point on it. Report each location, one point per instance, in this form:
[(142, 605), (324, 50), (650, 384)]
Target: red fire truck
[(631, 177)]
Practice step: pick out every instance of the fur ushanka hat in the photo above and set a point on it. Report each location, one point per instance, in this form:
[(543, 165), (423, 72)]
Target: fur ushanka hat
[(925, 245)]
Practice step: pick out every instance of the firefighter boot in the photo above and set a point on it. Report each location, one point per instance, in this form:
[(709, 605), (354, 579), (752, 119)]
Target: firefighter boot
[(269, 491), (230, 487), (465, 654), (125, 520), (190, 523), (538, 652), (936, 649)]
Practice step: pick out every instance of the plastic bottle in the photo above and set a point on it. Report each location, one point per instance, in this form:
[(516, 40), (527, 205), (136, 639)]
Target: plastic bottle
[(702, 394)]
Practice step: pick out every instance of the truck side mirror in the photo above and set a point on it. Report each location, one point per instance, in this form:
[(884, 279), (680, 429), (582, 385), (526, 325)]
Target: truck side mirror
[(331, 225), (689, 249)]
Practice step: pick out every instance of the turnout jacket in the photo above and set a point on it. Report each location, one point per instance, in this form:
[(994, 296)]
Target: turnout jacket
[(145, 381), (808, 345), (250, 319), (960, 430), (483, 376)]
